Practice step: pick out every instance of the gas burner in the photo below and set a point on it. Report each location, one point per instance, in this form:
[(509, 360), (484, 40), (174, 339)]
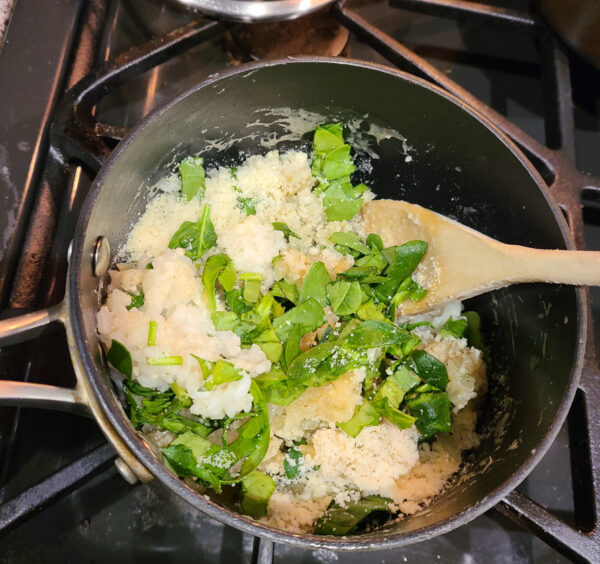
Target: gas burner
[(315, 34)]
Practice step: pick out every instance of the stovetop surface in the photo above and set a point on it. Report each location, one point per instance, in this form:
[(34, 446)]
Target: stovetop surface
[(109, 520)]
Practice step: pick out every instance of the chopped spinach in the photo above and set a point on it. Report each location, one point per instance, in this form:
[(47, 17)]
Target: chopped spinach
[(195, 238), (191, 170), (283, 227), (339, 521)]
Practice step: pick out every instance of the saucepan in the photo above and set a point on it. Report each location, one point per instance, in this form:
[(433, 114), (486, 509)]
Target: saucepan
[(419, 144)]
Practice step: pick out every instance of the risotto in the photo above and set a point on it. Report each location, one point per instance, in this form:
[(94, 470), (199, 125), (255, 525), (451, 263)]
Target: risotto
[(256, 319)]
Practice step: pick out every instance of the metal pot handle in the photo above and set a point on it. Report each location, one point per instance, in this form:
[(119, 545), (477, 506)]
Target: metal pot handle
[(24, 328)]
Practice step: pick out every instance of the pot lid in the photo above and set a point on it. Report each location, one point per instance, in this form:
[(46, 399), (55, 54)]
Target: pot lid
[(256, 11)]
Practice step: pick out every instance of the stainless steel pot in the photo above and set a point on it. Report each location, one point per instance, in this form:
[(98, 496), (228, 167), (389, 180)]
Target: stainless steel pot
[(461, 166)]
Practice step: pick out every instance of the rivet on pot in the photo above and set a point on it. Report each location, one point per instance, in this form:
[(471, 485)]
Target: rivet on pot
[(100, 256), (125, 471)]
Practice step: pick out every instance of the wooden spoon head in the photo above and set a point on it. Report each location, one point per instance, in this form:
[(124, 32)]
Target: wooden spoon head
[(458, 261)]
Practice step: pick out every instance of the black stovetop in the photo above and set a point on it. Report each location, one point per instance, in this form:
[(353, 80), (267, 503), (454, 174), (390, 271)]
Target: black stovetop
[(104, 518)]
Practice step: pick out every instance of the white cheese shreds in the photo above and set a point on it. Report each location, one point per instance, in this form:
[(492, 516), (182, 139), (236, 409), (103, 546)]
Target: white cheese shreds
[(370, 462)]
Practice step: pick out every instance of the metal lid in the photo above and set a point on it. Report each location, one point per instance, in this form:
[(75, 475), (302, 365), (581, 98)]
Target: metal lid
[(256, 11)]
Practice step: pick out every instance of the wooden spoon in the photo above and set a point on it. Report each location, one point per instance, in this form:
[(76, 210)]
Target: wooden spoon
[(461, 263)]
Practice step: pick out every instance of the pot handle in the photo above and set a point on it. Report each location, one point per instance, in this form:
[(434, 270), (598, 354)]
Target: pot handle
[(24, 328), (29, 326)]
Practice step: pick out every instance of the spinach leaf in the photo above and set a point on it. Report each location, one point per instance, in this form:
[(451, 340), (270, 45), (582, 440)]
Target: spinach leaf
[(324, 363), (236, 302), (120, 358), (432, 410), (473, 331), (193, 176), (428, 368), (341, 202), (283, 227), (252, 282), (365, 415), (374, 333), (287, 291), (314, 285), (328, 137), (215, 265), (270, 344), (220, 372), (247, 205), (374, 241), (182, 460), (344, 296), (454, 328), (337, 163), (341, 521), (405, 259), (257, 489), (291, 462), (195, 238), (137, 300), (368, 310), (350, 240), (305, 317)]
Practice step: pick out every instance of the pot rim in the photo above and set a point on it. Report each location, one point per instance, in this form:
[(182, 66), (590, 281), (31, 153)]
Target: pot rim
[(142, 450)]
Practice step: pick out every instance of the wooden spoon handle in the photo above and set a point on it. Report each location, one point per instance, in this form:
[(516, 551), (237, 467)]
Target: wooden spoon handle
[(561, 267)]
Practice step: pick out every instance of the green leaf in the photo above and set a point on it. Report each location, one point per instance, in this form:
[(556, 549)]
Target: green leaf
[(323, 363), (182, 460), (214, 266), (374, 241), (350, 240), (193, 177), (341, 202), (337, 163), (432, 410), (252, 282), (473, 332), (359, 273), (328, 137), (314, 285), (305, 317), (285, 290), (344, 296), (120, 358), (341, 521), (195, 238), (365, 415), (137, 300), (225, 320), (236, 302), (221, 372), (374, 333), (405, 259), (270, 344), (405, 378), (283, 227), (257, 489), (368, 310), (247, 205), (454, 328), (291, 463), (428, 368)]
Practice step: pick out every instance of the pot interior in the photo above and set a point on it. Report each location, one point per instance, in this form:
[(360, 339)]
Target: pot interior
[(413, 144)]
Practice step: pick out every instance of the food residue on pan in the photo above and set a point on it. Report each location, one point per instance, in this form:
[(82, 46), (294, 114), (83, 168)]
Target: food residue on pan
[(254, 322)]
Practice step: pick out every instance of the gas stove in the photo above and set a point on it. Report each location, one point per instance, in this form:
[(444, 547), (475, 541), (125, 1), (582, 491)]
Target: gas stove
[(61, 496)]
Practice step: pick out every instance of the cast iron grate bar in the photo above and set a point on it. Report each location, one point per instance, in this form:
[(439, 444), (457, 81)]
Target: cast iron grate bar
[(79, 138), (55, 486)]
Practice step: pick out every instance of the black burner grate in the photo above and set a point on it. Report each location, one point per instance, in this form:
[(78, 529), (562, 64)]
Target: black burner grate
[(76, 136)]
